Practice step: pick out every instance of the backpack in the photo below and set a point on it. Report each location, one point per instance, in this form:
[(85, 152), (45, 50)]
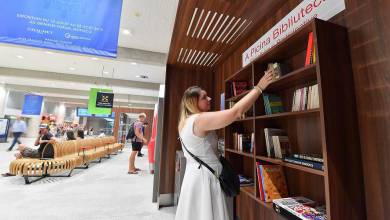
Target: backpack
[(131, 132)]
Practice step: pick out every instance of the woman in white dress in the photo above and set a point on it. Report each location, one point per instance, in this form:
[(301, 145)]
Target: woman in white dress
[(201, 196)]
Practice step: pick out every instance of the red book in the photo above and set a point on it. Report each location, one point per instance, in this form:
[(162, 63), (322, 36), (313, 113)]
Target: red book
[(261, 192), (239, 87), (309, 50)]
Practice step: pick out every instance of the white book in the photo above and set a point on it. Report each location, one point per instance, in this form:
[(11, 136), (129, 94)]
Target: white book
[(268, 133)]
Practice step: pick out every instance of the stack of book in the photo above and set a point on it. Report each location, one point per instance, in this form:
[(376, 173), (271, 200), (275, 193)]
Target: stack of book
[(307, 160), (277, 143), (272, 103), (306, 98), (238, 87), (299, 208), (243, 142), (244, 180), (310, 51), (272, 182)]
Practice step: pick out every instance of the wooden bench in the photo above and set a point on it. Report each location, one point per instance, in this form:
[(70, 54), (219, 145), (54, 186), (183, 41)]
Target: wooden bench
[(68, 155)]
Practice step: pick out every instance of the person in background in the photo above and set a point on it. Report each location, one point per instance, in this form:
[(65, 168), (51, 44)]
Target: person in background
[(80, 134), (143, 132), (70, 135), (137, 143), (91, 132), (18, 128), (44, 138)]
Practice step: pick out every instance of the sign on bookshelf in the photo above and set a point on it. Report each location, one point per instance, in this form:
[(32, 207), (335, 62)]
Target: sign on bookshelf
[(302, 14)]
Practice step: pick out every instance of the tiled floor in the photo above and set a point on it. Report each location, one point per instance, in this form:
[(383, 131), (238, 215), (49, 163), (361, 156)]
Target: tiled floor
[(104, 191)]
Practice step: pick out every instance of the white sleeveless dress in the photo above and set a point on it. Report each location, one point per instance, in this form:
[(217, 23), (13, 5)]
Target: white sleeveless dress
[(201, 196)]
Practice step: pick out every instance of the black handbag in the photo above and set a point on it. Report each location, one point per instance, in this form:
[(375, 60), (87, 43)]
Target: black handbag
[(228, 178)]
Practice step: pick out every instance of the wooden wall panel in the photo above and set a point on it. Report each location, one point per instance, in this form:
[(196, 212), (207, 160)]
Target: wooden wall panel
[(177, 81), (368, 23)]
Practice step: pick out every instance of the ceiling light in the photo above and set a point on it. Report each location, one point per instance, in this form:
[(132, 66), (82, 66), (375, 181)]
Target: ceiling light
[(49, 52), (133, 63), (72, 83), (106, 72), (142, 76), (94, 58), (20, 56), (126, 32), (72, 68)]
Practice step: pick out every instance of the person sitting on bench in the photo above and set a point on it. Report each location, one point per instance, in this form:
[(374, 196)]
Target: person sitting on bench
[(44, 138)]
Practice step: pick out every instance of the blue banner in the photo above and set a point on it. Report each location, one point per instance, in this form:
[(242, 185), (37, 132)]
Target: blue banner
[(82, 26), (32, 105)]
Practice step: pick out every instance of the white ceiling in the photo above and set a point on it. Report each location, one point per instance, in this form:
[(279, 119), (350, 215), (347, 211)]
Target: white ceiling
[(38, 59), (152, 30), (150, 23)]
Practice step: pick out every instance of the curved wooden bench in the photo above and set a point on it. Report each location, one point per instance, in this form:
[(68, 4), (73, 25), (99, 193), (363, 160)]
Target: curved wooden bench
[(68, 155)]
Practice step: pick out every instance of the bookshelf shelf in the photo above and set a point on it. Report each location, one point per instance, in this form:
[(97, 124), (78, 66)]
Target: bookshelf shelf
[(238, 97), (289, 114), (245, 119), (299, 76), (240, 152), (290, 165), (311, 131)]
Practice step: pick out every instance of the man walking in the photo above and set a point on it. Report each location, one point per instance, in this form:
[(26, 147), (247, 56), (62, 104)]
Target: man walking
[(18, 128)]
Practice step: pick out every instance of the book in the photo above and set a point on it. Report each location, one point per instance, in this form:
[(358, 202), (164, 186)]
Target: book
[(281, 146), (306, 163), (272, 104), (309, 157), (268, 133), (259, 180), (239, 87), (299, 208), (273, 182), (309, 50), (279, 69), (243, 142), (244, 180), (305, 98)]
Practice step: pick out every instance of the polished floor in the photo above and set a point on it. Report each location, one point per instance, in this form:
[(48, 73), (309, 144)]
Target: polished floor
[(104, 191)]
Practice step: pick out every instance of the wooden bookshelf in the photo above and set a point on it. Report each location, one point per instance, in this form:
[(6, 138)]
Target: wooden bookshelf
[(240, 152), (237, 97), (327, 130)]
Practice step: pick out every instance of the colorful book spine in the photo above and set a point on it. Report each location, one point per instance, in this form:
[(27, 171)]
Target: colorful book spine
[(309, 50), (305, 163), (308, 157), (259, 180)]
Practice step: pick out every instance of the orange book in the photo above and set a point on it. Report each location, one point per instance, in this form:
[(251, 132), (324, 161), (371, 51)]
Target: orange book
[(273, 182)]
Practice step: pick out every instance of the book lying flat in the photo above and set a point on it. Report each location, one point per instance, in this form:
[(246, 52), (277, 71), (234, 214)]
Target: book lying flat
[(299, 208)]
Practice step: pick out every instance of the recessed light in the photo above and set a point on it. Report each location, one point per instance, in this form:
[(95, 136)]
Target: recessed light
[(94, 58), (72, 84), (49, 52), (72, 68), (126, 32), (133, 63), (20, 56), (106, 72), (142, 76)]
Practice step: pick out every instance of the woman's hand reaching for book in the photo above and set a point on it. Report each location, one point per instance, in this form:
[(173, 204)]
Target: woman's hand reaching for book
[(268, 77)]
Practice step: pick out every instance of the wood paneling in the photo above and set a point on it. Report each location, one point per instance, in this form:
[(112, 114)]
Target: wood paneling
[(205, 30), (369, 30), (177, 81)]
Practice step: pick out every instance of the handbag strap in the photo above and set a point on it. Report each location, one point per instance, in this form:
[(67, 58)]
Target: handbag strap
[(197, 159)]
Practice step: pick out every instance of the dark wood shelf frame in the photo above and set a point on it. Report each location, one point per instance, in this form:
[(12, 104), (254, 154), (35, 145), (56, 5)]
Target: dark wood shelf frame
[(332, 127)]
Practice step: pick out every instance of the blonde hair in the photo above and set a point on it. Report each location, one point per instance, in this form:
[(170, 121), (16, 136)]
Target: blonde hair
[(189, 104)]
